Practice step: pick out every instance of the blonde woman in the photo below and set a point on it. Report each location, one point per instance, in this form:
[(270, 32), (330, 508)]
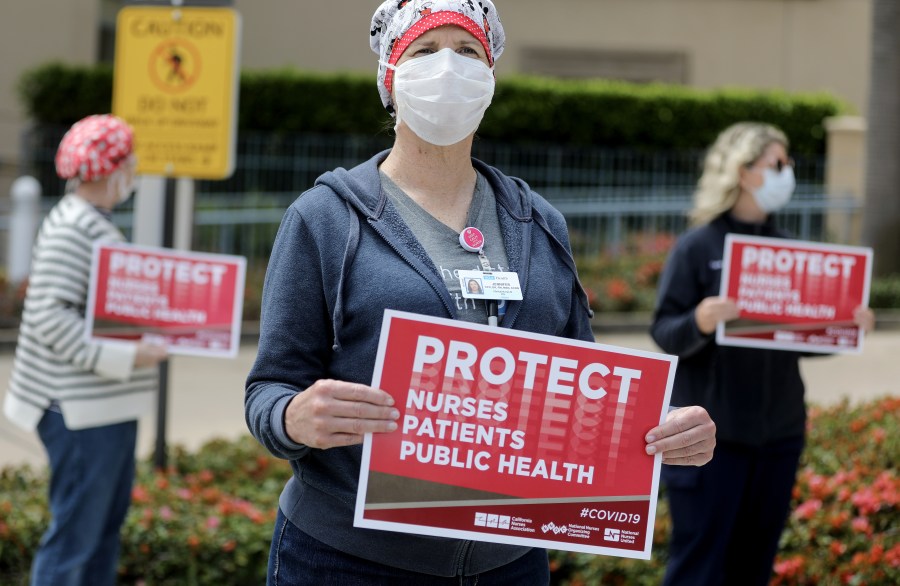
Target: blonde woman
[(728, 515)]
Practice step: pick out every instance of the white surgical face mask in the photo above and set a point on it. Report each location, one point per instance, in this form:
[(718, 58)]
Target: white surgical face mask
[(776, 189), (443, 96), (121, 184)]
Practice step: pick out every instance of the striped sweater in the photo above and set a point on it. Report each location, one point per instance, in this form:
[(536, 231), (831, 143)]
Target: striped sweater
[(92, 383)]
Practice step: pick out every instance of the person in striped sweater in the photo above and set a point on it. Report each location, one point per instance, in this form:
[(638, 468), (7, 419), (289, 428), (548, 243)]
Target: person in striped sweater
[(82, 397)]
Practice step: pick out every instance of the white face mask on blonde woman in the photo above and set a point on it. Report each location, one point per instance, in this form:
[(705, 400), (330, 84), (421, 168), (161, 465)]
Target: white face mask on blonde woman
[(442, 97), (776, 189)]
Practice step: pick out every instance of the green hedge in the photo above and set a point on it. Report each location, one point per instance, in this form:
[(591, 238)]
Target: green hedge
[(525, 109), (885, 292), (208, 519)]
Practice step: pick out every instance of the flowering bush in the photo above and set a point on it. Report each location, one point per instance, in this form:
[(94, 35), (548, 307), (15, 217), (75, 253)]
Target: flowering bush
[(845, 524), (208, 518), (626, 281)]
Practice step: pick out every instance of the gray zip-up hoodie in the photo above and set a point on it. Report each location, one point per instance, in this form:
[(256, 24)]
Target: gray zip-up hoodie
[(341, 257)]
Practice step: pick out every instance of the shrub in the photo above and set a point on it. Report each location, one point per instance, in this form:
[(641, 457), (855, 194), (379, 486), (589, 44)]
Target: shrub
[(208, 518), (885, 292), (525, 109), (627, 280), (845, 510)]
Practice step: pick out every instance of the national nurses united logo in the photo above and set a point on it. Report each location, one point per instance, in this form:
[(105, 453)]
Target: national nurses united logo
[(174, 65)]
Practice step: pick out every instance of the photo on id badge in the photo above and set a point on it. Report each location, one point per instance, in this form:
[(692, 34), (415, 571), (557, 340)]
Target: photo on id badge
[(474, 287)]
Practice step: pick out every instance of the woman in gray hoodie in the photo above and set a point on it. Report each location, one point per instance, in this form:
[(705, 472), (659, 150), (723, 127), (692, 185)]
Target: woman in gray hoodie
[(386, 235)]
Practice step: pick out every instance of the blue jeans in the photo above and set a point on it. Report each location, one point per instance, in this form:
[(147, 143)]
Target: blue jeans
[(296, 559), (91, 473)]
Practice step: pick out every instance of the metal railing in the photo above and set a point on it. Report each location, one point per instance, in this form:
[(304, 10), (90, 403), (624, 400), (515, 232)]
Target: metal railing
[(606, 195)]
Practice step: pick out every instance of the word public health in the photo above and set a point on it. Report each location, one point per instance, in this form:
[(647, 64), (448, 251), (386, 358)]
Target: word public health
[(461, 359)]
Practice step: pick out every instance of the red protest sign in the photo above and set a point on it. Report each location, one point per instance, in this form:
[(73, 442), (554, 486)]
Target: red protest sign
[(513, 437), (191, 302), (794, 295)]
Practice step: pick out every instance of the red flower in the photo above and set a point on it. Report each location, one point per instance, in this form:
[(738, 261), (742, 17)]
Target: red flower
[(648, 273), (139, 494), (790, 567), (861, 525), (808, 509), (876, 554), (819, 486), (892, 556), (619, 290), (839, 520)]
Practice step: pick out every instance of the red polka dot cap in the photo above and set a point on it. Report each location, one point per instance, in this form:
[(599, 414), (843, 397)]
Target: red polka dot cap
[(397, 23), (94, 147)]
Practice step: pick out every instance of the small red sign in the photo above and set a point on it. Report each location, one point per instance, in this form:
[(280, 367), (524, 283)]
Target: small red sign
[(794, 295), (188, 301)]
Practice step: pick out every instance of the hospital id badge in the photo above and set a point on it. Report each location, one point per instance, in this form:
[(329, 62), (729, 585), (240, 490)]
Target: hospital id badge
[(490, 285)]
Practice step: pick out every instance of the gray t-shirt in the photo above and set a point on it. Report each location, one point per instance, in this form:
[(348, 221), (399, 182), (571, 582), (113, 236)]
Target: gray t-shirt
[(441, 242)]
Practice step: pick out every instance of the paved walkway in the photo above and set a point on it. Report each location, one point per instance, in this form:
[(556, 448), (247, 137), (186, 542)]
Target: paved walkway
[(206, 394)]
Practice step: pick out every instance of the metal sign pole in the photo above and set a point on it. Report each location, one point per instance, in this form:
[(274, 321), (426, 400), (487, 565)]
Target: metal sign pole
[(162, 404)]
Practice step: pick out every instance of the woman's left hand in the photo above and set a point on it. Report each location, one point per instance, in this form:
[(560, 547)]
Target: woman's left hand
[(864, 317), (687, 438)]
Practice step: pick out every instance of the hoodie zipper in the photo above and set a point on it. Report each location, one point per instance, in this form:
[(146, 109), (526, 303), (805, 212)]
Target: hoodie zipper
[(465, 553), (403, 255)]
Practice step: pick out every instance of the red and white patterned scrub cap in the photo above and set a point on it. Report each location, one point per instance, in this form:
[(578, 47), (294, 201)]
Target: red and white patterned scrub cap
[(397, 23), (94, 147)]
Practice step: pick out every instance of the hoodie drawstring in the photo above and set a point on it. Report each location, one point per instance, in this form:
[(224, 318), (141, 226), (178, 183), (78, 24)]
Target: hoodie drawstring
[(337, 317)]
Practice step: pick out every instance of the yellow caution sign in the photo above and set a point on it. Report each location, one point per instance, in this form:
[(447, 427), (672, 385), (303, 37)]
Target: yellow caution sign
[(175, 81)]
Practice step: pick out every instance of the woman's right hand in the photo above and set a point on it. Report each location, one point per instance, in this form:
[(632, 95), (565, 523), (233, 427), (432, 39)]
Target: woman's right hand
[(712, 310), (334, 413), (148, 355)]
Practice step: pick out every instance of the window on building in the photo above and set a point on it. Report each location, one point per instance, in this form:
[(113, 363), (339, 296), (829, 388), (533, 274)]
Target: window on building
[(634, 66)]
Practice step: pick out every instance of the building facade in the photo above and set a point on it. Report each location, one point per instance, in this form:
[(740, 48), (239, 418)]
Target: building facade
[(794, 45)]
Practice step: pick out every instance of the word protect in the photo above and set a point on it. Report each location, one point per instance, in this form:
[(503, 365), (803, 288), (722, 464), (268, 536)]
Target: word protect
[(461, 357), (784, 260), (151, 267)]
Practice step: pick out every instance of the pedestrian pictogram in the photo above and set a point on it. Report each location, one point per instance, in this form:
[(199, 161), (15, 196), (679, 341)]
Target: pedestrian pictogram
[(175, 82), (175, 66)]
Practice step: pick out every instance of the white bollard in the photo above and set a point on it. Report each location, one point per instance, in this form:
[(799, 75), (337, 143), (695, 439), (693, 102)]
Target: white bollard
[(25, 217)]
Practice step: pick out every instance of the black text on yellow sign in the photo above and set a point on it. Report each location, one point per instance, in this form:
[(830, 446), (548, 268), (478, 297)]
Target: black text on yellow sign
[(175, 82)]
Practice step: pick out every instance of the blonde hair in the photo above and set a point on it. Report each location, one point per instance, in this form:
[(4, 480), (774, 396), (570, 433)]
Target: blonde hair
[(738, 145)]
